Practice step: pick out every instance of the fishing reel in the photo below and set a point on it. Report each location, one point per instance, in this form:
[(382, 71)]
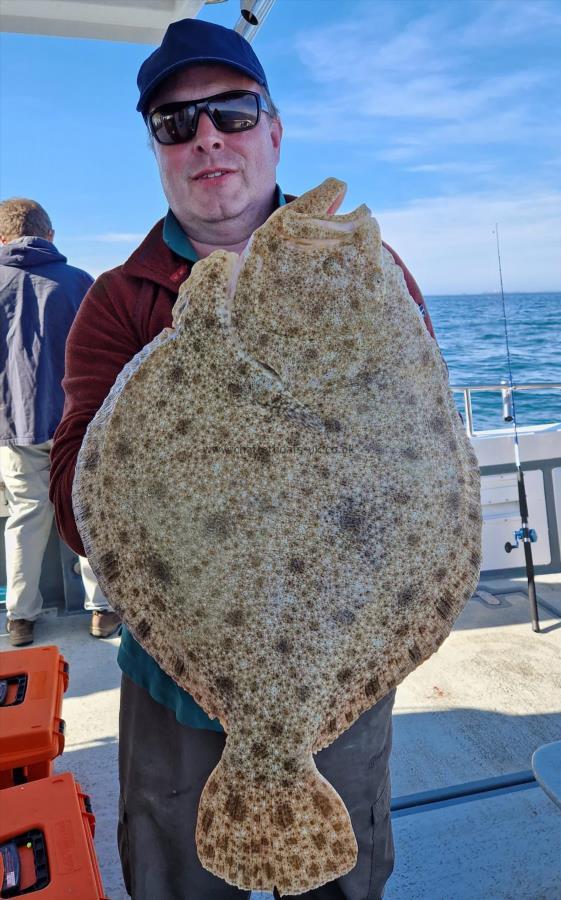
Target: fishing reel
[(520, 535)]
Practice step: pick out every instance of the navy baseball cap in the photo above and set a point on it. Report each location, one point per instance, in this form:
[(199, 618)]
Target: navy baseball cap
[(195, 41)]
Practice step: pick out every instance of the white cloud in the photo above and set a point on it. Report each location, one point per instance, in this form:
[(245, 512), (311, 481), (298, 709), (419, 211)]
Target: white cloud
[(505, 21), (449, 244), (459, 168), (108, 237), (425, 82), (438, 98), (97, 253), (118, 237), (509, 128)]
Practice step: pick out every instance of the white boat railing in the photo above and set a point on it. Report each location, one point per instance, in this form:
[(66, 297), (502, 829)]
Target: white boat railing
[(505, 390)]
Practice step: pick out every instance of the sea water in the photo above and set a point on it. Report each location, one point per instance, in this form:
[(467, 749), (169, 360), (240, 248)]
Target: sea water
[(470, 330)]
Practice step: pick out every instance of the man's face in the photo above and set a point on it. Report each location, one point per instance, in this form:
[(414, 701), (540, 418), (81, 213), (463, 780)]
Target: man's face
[(240, 198)]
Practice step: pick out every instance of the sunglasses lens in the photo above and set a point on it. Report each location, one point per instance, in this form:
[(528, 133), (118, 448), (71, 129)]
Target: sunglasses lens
[(173, 126), (234, 113), (176, 123)]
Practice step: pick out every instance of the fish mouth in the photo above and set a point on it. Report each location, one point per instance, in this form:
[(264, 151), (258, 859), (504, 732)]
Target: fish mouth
[(313, 219), (322, 203), (343, 224), (327, 231), (337, 202)]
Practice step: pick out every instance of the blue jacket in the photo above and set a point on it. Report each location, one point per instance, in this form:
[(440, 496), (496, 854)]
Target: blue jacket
[(39, 297)]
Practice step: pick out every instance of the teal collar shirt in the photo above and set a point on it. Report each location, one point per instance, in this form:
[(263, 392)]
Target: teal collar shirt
[(177, 240)]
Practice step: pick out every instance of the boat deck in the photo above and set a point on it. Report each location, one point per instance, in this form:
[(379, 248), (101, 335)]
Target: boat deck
[(475, 711)]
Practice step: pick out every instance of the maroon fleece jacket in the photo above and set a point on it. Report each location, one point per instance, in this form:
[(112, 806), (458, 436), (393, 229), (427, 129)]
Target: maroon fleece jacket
[(122, 312)]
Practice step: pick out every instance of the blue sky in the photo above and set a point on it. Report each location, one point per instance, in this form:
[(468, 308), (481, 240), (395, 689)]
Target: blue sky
[(444, 117)]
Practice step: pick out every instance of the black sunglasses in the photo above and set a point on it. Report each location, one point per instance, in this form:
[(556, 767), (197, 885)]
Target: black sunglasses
[(176, 123)]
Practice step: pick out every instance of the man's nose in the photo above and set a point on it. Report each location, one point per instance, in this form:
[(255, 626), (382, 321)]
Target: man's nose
[(207, 137)]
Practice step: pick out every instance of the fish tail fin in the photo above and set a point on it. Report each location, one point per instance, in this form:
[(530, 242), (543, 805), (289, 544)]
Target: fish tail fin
[(258, 835)]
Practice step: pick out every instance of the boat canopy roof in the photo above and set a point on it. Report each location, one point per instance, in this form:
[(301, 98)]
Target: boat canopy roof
[(137, 21)]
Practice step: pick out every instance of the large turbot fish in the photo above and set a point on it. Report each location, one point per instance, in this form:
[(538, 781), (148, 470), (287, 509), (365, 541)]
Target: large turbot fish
[(279, 498)]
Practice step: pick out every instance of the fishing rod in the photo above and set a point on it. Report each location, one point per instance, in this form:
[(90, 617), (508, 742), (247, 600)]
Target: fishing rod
[(525, 534)]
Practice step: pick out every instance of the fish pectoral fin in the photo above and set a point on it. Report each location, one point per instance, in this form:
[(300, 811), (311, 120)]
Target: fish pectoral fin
[(259, 835)]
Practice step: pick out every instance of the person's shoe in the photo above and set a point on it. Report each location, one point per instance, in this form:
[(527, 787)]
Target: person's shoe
[(104, 623), (20, 632)]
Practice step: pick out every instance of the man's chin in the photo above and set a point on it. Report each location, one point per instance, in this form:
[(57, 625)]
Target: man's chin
[(219, 212)]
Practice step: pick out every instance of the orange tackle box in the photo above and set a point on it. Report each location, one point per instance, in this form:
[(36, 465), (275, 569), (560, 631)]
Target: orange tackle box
[(46, 841), (32, 683)]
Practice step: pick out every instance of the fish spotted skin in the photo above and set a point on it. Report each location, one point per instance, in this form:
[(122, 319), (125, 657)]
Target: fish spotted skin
[(279, 498)]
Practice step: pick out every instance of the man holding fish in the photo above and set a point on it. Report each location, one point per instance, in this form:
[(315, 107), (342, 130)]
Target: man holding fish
[(216, 137)]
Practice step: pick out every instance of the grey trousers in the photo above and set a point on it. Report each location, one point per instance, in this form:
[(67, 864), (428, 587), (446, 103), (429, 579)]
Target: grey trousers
[(25, 473), (164, 765)]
